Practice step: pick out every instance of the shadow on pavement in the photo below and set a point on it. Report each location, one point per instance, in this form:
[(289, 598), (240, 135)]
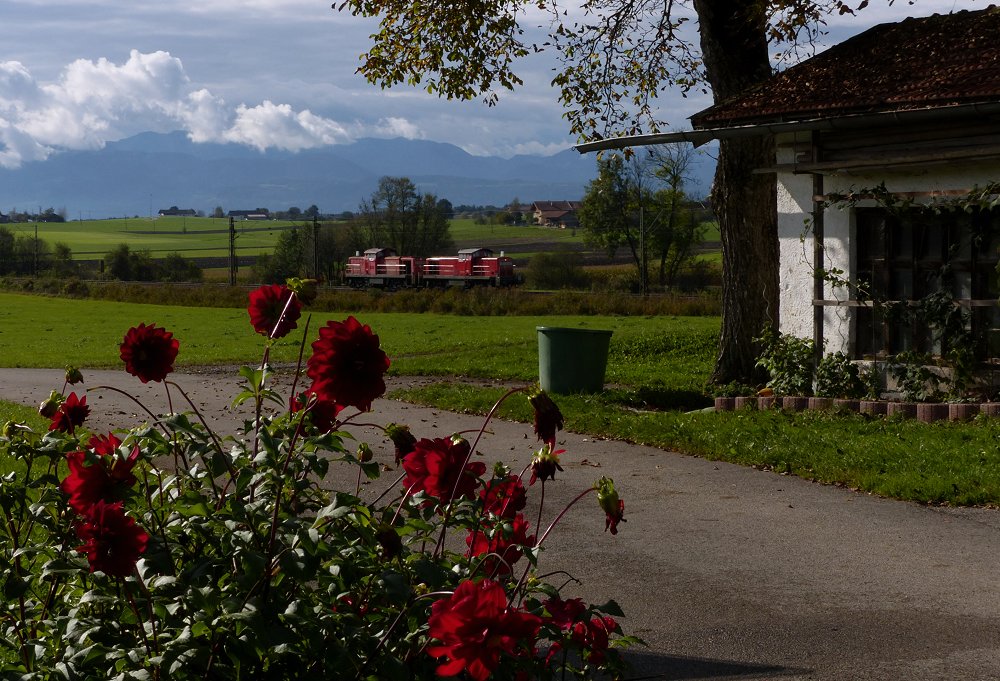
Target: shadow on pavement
[(658, 667)]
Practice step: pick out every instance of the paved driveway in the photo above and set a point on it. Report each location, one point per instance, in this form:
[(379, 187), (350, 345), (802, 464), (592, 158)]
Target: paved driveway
[(726, 572)]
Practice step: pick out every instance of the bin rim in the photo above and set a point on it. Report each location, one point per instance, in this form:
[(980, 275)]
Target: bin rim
[(572, 329)]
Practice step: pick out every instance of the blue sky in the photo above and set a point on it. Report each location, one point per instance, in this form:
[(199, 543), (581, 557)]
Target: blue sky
[(75, 74)]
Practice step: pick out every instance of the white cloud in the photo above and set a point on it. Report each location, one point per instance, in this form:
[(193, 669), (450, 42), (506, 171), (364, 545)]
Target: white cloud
[(94, 102), (277, 125), (395, 126)]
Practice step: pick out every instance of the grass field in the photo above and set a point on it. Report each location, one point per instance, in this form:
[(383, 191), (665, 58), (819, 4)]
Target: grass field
[(193, 237), (209, 237), (657, 371), (645, 351)]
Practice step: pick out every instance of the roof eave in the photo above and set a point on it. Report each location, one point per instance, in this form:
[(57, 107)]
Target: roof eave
[(774, 127)]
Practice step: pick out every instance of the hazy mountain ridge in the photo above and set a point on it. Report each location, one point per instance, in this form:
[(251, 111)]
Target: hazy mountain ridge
[(150, 171)]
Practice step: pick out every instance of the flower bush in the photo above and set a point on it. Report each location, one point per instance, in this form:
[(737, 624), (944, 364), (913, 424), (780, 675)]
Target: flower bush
[(165, 551)]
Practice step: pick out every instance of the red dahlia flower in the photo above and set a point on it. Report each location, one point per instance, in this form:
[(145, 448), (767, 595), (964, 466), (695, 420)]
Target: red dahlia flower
[(322, 412), (503, 547), (475, 628), (112, 541), (593, 637), (504, 496), (347, 364), (267, 303), (564, 613), (104, 480), (435, 465), (548, 418), (71, 413), (149, 352)]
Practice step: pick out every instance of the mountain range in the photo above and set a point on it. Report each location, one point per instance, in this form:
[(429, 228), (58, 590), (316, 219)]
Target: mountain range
[(142, 174)]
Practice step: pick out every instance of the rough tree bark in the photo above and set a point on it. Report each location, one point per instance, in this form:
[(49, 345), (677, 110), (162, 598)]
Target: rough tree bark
[(734, 46)]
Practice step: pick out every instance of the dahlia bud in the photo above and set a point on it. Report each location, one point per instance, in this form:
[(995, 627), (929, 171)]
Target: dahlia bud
[(389, 540), (50, 405), (548, 418), (402, 439), (73, 376), (545, 464), (364, 453), (305, 289), (613, 507)]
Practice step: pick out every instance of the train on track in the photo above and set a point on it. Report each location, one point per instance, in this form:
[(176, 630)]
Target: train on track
[(383, 268)]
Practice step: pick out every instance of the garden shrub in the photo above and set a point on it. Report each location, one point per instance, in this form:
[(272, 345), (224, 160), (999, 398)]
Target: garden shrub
[(167, 552), (788, 361)]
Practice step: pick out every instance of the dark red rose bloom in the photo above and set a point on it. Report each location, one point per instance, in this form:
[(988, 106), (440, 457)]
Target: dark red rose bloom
[(593, 638), (564, 613), (503, 546), (402, 439), (545, 464), (149, 352), (105, 480), (347, 364), (435, 465), (475, 628), (71, 413), (112, 541), (266, 306), (504, 496), (548, 418)]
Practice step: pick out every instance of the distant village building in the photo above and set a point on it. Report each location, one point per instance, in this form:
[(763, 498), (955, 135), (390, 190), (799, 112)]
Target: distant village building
[(4, 219), (556, 213), (255, 214), (175, 211)]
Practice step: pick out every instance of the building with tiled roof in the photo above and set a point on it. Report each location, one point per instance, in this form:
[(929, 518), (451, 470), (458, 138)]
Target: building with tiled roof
[(909, 111), (556, 213)]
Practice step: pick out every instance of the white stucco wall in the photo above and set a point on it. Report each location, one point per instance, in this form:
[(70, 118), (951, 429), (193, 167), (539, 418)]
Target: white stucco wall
[(795, 193)]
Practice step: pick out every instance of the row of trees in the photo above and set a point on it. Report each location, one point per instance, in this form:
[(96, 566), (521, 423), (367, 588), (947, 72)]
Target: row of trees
[(24, 254), (638, 203), (395, 216)]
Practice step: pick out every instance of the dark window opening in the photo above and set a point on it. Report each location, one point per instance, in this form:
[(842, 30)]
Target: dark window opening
[(904, 258)]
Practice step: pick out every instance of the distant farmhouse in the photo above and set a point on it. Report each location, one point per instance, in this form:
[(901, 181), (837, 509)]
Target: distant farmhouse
[(255, 214), (556, 213), (175, 211), (4, 219)]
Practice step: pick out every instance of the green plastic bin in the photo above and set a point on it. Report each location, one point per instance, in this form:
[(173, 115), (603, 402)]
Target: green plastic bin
[(572, 360)]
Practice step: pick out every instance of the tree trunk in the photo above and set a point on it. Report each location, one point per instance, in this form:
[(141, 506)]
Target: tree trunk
[(734, 46)]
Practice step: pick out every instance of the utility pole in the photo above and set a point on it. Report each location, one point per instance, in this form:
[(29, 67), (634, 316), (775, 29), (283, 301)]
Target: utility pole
[(232, 252), (315, 246)]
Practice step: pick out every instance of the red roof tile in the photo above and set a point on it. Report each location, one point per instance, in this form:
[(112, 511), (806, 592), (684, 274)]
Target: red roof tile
[(934, 61)]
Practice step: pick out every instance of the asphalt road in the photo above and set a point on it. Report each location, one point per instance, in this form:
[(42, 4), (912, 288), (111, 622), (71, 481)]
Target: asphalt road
[(726, 572)]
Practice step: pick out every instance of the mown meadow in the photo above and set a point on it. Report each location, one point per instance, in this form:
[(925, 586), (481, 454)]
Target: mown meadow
[(657, 392)]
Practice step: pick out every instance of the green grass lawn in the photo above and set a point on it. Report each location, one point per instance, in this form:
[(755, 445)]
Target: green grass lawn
[(657, 370), (38, 331)]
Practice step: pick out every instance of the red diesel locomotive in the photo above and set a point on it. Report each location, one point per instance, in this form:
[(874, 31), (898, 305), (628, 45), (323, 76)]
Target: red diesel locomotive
[(381, 267)]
